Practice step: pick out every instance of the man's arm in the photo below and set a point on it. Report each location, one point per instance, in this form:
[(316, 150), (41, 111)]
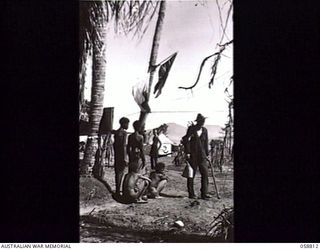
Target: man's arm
[(141, 151), (144, 177), (163, 177), (128, 146), (160, 144), (125, 147), (185, 140)]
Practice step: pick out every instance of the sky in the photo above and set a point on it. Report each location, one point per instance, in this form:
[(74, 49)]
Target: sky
[(191, 28)]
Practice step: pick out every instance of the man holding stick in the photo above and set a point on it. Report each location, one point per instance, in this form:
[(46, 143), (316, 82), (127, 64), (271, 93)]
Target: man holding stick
[(196, 147)]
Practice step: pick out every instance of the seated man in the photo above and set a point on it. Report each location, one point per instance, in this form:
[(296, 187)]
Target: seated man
[(134, 186), (158, 181)]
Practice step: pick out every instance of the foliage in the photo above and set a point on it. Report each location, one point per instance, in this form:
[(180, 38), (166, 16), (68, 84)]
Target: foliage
[(127, 16), (163, 129), (84, 111), (222, 226), (217, 56)]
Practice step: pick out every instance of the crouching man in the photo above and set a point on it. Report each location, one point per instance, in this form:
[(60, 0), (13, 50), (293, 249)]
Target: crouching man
[(158, 181), (135, 185)]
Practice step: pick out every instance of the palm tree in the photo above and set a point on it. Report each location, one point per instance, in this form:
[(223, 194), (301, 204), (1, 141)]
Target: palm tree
[(97, 38), (95, 16), (153, 56), (83, 51)]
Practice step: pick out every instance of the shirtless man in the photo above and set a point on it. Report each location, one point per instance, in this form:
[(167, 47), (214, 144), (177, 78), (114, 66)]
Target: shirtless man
[(120, 138), (156, 145), (158, 181), (135, 147), (135, 185)]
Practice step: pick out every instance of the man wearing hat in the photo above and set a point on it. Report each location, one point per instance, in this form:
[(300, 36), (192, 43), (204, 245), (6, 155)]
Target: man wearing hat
[(196, 147)]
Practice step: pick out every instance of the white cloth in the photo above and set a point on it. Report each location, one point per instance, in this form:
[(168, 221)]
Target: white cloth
[(199, 132), (139, 91)]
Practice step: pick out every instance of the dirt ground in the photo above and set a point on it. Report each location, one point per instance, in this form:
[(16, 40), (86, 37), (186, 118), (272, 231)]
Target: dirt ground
[(102, 219)]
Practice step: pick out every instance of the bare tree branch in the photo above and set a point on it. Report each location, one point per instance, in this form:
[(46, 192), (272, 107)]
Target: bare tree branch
[(216, 61), (222, 48), (220, 15), (226, 23), (201, 66)]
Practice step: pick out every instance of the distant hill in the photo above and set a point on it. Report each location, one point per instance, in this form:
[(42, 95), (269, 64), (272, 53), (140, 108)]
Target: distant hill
[(214, 131), (176, 132)]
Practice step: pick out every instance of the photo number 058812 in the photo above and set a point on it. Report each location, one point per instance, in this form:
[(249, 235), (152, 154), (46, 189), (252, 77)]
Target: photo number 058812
[(309, 245)]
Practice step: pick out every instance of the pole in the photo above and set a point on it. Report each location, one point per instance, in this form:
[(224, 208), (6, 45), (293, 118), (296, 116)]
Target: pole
[(153, 56), (214, 179)]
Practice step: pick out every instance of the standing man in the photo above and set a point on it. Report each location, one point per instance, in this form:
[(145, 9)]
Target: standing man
[(196, 147), (135, 147), (120, 139), (154, 152)]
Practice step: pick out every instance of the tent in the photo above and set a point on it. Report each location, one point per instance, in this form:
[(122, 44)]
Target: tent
[(166, 145)]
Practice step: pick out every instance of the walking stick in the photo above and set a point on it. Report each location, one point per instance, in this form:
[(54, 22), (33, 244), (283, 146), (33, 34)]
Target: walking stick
[(214, 179)]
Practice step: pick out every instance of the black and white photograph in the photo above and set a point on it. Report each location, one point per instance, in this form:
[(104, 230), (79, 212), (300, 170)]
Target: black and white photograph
[(159, 121), (156, 121)]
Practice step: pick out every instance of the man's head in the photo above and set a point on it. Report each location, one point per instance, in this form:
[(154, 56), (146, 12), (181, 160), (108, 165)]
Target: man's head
[(200, 120), (155, 131), (136, 125), (160, 167), (124, 122)]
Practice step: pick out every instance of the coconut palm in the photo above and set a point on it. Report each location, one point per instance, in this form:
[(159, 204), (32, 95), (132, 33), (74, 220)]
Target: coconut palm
[(95, 16), (93, 20), (153, 56)]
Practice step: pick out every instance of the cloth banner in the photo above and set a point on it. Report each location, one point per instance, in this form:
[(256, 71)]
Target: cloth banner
[(163, 74)]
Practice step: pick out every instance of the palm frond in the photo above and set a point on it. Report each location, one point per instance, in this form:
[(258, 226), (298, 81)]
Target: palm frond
[(132, 16), (128, 16), (92, 14)]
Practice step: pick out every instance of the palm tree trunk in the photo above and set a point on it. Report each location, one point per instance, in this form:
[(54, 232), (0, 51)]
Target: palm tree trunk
[(97, 96), (154, 55), (82, 76)]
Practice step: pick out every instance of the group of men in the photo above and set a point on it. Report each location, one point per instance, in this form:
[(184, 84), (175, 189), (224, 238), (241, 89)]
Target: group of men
[(129, 152), (136, 187)]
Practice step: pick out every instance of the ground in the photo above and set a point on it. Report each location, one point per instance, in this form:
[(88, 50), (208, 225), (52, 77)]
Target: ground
[(102, 219)]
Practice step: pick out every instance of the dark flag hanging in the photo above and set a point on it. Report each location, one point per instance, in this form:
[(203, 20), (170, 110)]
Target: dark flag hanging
[(163, 74)]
